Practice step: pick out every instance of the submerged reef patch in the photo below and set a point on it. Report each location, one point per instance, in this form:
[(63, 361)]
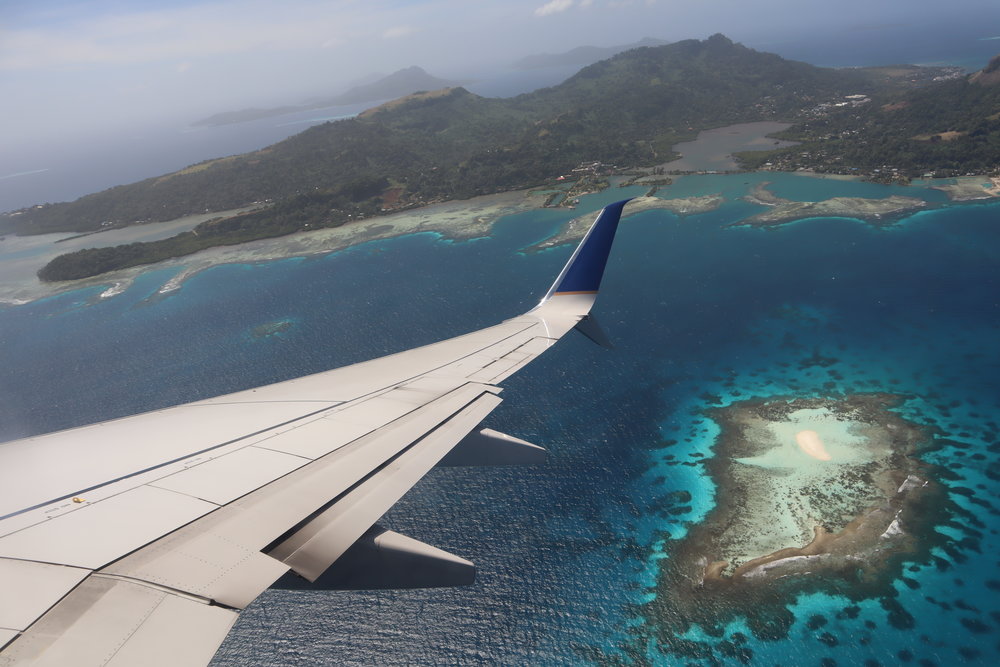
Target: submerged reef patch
[(812, 495), (275, 329)]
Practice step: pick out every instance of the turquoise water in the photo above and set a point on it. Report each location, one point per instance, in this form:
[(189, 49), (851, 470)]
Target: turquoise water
[(698, 312)]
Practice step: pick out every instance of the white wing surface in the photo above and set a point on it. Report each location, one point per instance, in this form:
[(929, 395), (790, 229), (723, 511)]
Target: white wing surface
[(138, 541)]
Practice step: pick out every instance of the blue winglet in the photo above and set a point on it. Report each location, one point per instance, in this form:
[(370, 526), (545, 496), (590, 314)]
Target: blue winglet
[(583, 273)]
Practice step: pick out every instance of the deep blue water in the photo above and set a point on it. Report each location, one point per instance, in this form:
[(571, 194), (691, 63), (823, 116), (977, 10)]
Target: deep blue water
[(564, 549)]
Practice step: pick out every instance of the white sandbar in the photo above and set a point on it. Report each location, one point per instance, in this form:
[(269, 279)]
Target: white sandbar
[(810, 443)]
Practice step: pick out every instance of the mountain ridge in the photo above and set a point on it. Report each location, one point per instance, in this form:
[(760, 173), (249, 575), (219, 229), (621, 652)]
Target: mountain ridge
[(628, 111), (581, 55)]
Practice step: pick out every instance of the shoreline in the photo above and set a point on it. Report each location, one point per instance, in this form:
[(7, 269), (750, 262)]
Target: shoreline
[(22, 257), (453, 220), (456, 220), (784, 525), (878, 212)]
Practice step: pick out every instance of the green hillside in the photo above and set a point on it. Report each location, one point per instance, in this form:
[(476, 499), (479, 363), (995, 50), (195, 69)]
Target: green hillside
[(450, 144), (627, 110), (948, 129)]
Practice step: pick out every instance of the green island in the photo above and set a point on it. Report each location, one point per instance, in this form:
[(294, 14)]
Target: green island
[(805, 486), (615, 121)]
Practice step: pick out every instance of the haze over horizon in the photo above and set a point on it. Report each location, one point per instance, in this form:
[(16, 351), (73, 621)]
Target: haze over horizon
[(80, 76)]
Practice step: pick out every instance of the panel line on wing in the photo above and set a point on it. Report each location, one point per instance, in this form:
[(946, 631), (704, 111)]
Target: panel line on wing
[(136, 473)]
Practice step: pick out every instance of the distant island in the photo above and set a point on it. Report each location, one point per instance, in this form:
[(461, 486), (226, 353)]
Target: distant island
[(581, 55), (618, 118), (398, 84)]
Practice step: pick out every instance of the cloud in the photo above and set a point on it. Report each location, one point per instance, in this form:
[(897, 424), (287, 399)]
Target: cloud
[(553, 7), (172, 33), (398, 31)]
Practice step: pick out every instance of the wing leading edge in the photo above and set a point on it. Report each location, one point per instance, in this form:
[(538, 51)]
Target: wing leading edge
[(138, 541)]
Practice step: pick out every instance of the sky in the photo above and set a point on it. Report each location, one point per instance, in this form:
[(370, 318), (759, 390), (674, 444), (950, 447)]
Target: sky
[(85, 68), (116, 59)]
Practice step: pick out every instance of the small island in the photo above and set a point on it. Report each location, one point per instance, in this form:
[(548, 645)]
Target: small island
[(813, 494), (275, 329), (873, 211)]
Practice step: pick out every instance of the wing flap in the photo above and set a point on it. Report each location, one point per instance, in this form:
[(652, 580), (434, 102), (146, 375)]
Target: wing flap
[(107, 621), (314, 547), (382, 559), (196, 558), (30, 589)]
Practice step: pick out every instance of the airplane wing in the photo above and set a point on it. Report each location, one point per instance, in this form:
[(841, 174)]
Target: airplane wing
[(138, 541)]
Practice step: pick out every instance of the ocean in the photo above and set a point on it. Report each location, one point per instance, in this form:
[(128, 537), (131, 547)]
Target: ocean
[(569, 552)]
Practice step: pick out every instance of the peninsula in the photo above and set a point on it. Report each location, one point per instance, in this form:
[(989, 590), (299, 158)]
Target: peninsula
[(877, 212)]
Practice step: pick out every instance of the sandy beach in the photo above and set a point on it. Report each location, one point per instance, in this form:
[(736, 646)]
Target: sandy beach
[(812, 494), (21, 257)]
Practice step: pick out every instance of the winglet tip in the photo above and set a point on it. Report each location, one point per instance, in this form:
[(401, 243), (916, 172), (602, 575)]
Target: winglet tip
[(583, 273)]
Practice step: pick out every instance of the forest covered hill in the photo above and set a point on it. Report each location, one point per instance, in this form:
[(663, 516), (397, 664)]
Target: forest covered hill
[(627, 110), (624, 113)]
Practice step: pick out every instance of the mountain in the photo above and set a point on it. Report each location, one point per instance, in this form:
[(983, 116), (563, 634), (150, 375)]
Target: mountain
[(450, 144), (397, 84), (404, 82), (581, 55), (989, 75)]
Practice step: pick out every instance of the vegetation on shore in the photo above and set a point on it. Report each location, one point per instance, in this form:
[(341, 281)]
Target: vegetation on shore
[(627, 111), (951, 128)]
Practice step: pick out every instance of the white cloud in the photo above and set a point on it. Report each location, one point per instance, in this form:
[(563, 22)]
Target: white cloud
[(151, 35), (399, 31), (553, 7)]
